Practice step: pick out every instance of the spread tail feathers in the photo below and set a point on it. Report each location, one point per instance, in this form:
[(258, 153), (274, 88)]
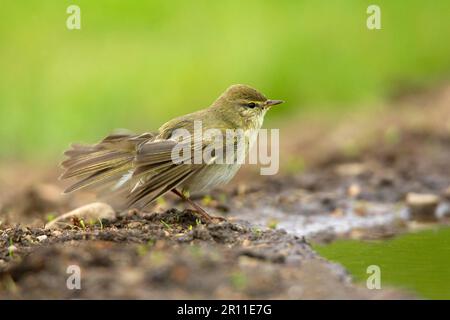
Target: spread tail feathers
[(109, 161), (137, 167)]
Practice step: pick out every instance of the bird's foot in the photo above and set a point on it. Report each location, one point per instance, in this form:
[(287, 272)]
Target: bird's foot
[(209, 218), (202, 212)]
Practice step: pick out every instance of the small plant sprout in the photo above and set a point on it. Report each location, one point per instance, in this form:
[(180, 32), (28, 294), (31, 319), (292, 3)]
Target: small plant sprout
[(100, 223), (82, 224), (272, 224), (198, 222), (49, 217), (11, 248), (165, 224)]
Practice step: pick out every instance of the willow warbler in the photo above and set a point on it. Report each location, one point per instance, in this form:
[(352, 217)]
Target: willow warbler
[(142, 167)]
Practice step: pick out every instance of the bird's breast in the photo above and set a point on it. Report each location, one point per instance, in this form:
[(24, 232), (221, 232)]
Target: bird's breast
[(211, 176)]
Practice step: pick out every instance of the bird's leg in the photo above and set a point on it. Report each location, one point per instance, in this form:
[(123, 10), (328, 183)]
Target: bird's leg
[(197, 208)]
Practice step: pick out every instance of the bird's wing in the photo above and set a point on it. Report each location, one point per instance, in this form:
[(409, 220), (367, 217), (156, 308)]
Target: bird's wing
[(156, 172)]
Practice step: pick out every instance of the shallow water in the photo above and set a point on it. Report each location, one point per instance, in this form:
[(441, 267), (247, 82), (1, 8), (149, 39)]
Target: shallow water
[(418, 262), (377, 214)]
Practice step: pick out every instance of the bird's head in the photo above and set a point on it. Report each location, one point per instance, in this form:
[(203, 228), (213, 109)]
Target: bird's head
[(244, 103)]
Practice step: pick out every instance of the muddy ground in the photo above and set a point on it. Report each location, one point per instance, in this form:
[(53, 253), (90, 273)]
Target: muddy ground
[(345, 177)]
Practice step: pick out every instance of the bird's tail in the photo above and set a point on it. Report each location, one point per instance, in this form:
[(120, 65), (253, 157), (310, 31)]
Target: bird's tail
[(108, 163)]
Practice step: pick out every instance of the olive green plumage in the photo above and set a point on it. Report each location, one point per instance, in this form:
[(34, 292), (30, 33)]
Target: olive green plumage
[(141, 166)]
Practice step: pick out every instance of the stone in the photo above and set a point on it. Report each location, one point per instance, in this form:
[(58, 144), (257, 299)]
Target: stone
[(41, 238), (354, 190), (90, 212), (422, 207)]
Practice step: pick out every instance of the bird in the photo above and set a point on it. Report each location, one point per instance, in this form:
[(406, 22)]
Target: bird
[(142, 168)]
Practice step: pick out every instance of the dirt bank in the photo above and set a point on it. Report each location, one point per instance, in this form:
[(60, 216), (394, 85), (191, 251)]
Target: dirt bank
[(348, 178)]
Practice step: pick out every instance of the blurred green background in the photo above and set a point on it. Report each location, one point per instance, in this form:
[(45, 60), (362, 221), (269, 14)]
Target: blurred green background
[(135, 64)]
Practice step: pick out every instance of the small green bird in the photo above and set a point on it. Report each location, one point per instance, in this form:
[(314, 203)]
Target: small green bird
[(142, 167)]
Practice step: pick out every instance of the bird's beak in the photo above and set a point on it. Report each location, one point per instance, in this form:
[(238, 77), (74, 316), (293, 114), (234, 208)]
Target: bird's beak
[(270, 103)]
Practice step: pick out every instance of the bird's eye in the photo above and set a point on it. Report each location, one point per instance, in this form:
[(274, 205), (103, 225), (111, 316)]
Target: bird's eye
[(251, 105)]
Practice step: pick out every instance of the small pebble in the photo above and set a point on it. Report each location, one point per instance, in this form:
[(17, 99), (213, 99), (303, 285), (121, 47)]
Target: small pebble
[(354, 190), (356, 234), (93, 211), (360, 210), (185, 237), (337, 213), (42, 238), (134, 225), (56, 233), (443, 210), (422, 207)]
